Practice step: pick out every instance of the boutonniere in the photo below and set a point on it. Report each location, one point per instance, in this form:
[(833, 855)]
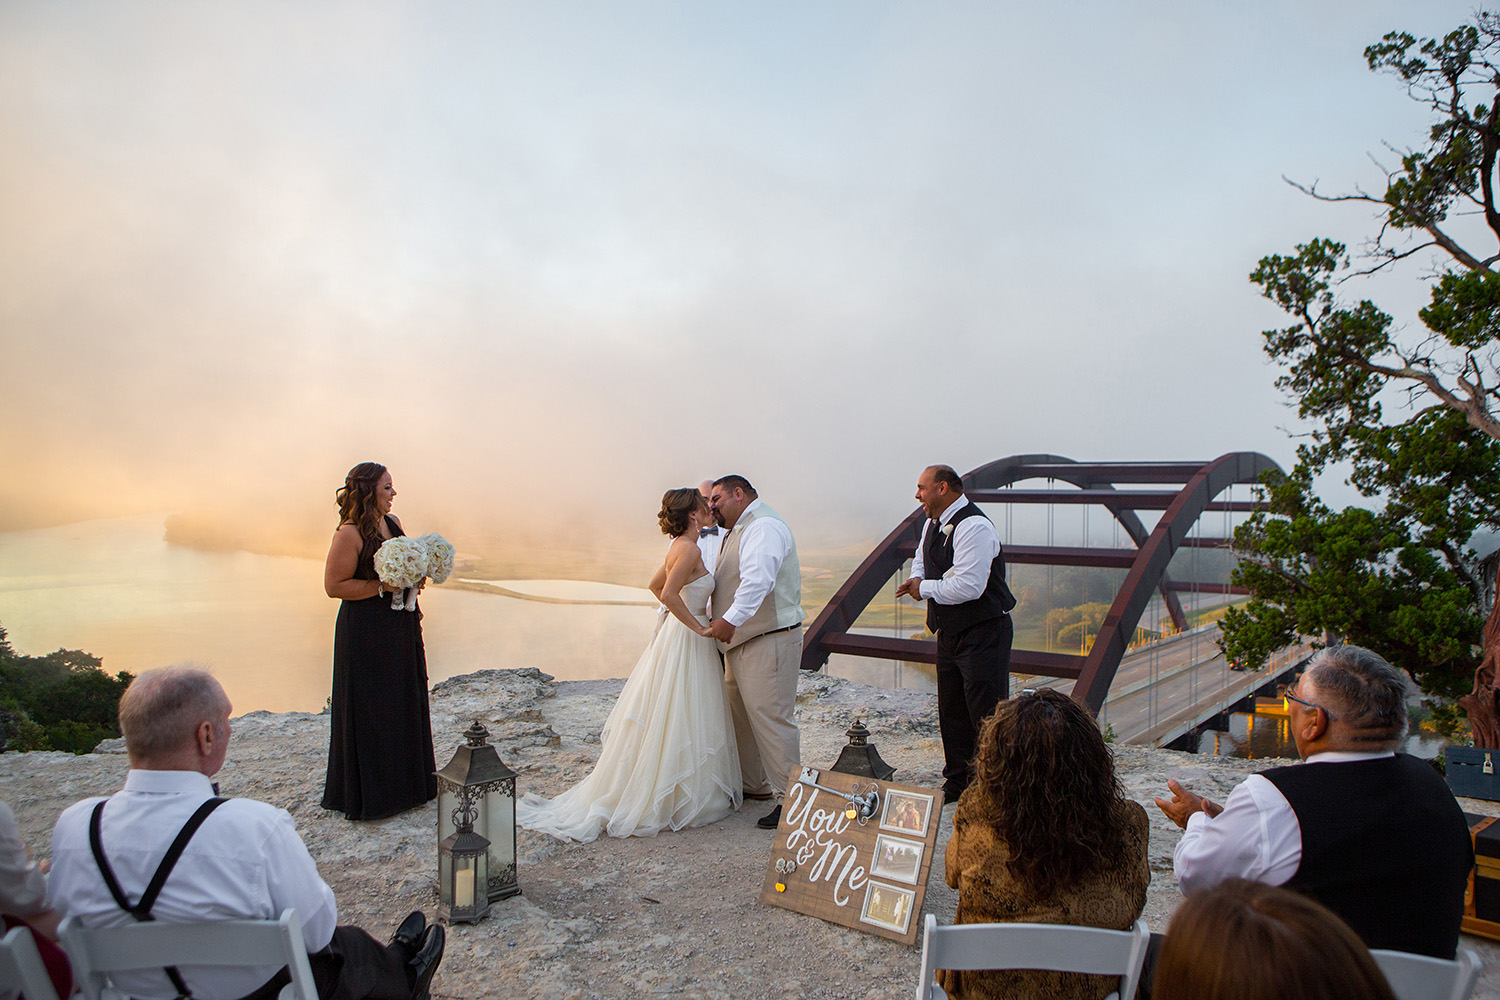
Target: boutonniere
[(947, 529)]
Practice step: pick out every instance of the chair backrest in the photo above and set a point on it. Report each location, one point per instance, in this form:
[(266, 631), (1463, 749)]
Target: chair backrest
[(1059, 947), (97, 953), (21, 968), (1419, 977)]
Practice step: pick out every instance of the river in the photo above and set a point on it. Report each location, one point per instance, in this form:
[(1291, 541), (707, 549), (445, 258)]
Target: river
[(116, 588)]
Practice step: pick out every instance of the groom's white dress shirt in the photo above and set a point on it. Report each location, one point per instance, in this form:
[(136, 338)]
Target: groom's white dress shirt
[(764, 543)]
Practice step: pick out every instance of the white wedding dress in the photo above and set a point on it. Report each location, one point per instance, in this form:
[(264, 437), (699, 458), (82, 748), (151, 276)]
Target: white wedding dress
[(668, 758)]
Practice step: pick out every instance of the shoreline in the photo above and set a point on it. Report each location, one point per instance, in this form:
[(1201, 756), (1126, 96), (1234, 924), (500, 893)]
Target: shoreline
[(674, 915)]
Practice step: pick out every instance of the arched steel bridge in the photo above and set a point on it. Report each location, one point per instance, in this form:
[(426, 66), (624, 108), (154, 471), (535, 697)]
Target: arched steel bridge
[(1096, 483)]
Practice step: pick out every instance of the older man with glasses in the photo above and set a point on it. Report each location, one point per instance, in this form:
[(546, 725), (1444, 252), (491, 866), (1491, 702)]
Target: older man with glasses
[(1374, 835)]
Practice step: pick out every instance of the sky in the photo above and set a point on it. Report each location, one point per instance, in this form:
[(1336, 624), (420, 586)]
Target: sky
[(547, 260)]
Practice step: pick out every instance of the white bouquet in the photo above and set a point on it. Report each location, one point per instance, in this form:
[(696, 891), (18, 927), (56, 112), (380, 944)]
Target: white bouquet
[(401, 563), (439, 556)]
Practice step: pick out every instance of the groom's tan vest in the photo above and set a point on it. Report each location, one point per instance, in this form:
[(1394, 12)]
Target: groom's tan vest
[(782, 607)]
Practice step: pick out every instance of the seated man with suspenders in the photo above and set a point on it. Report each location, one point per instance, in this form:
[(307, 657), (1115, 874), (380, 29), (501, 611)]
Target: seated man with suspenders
[(166, 847)]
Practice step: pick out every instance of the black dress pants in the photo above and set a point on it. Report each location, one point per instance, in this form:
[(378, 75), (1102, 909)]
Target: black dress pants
[(973, 676), (354, 966)]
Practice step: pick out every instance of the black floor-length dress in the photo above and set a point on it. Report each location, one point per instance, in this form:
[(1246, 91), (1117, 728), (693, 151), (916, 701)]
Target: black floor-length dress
[(380, 759)]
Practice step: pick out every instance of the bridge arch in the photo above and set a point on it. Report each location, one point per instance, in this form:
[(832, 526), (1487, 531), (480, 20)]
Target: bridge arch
[(1096, 483)]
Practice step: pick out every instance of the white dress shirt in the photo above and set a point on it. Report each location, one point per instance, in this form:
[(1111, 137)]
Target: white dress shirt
[(245, 862), (23, 888), (709, 545), (764, 543), (1256, 837), (976, 543)]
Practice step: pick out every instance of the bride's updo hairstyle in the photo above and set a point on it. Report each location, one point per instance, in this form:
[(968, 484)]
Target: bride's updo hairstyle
[(676, 507), (356, 499)]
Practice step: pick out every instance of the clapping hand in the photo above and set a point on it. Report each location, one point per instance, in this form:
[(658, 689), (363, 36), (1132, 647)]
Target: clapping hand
[(1184, 803), (911, 588)]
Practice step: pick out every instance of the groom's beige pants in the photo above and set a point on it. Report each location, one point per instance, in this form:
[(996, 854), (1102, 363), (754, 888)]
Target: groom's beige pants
[(760, 678)]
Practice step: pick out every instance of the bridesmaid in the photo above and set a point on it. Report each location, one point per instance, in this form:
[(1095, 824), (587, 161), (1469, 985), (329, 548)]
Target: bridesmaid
[(380, 759)]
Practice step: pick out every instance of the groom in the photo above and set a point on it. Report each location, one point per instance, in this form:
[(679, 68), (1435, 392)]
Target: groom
[(757, 618)]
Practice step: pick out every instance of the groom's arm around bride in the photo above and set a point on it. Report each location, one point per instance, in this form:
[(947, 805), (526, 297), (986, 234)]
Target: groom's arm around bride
[(757, 618)]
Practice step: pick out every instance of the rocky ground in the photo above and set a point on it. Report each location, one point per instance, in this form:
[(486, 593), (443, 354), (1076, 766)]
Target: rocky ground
[(675, 915)]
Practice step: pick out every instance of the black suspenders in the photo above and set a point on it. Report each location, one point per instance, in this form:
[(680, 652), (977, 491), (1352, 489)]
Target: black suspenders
[(142, 910)]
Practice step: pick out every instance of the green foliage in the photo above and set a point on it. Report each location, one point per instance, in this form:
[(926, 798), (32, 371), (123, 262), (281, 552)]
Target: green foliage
[(1398, 577), (61, 701), (1354, 573), (1069, 626)]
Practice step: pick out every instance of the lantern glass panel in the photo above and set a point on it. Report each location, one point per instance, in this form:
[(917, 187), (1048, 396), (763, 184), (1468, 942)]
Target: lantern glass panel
[(497, 822), (463, 882), (448, 800), (445, 879)]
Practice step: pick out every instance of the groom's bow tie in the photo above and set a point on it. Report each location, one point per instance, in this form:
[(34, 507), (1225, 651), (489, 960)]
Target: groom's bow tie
[(705, 532)]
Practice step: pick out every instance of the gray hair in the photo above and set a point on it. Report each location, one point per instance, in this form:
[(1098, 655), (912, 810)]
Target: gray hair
[(1364, 691), (161, 709)]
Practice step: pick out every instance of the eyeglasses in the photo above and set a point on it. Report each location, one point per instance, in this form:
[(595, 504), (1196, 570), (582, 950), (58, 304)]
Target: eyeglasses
[(1307, 704)]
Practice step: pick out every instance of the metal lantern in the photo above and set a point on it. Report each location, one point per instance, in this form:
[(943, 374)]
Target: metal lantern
[(860, 756), (463, 869), (476, 777)]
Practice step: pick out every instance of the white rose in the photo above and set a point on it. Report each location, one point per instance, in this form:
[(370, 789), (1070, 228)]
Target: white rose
[(439, 556), (401, 562), (947, 529)]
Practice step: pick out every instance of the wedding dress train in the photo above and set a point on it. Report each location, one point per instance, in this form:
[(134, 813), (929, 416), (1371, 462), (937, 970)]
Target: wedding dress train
[(668, 758)]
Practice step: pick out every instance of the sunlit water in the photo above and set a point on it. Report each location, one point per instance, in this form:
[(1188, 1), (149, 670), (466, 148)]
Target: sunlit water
[(115, 588), (1261, 735)]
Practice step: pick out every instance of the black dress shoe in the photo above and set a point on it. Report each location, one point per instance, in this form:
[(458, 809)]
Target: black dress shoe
[(408, 935), (770, 820), (425, 962)]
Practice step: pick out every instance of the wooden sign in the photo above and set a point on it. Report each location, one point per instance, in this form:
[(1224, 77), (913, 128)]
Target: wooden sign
[(854, 851)]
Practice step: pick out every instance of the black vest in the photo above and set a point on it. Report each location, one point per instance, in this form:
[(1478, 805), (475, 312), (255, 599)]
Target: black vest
[(1385, 846), (937, 559)]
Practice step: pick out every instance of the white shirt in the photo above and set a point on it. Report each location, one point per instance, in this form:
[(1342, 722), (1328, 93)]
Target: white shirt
[(975, 546), (709, 546), (1256, 837), (245, 862), (23, 888), (764, 543)]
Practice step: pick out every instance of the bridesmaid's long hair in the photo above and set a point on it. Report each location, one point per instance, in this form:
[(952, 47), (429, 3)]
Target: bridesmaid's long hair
[(356, 499)]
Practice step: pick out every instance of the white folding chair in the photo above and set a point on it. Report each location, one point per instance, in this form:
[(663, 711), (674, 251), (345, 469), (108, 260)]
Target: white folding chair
[(98, 953), (21, 970), (1420, 977), (1059, 947)]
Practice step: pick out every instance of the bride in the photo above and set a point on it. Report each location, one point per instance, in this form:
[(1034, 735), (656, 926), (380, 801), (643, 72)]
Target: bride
[(668, 757)]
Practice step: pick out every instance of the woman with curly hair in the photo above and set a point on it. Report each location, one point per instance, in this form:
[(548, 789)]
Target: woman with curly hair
[(667, 758), (380, 759), (1044, 834)]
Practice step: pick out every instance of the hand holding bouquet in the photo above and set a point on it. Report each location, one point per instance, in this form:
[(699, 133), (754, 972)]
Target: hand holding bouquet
[(401, 563)]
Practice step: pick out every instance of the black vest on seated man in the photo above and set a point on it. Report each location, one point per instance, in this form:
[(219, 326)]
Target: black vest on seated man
[(1385, 846), (937, 559)]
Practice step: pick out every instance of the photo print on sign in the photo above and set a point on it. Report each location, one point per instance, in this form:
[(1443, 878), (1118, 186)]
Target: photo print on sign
[(887, 906), (898, 859), (906, 812)]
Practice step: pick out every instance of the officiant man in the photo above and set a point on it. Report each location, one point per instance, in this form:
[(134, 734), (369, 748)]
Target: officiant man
[(757, 618), (710, 538), (959, 570)]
